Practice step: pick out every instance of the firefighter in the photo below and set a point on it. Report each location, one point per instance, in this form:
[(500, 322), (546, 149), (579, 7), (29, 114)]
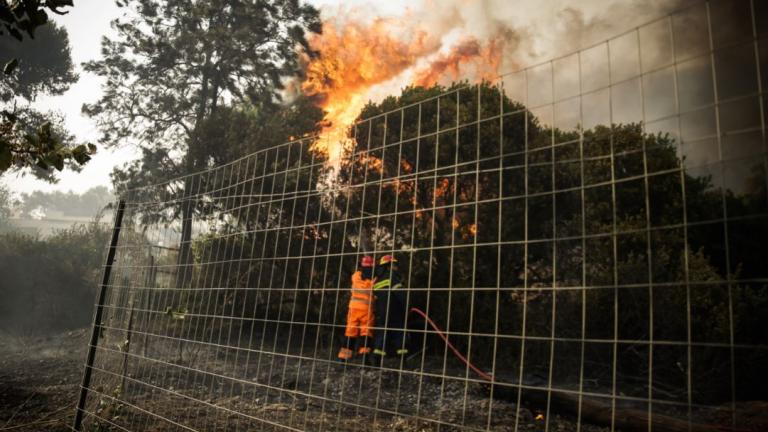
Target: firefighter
[(390, 307), (360, 311)]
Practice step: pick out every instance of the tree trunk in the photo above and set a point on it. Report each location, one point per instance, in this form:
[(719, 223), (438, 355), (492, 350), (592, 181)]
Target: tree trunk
[(185, 247), (188, 205)]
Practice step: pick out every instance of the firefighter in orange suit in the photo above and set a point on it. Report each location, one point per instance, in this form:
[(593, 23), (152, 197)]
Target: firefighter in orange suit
[(360, 311)]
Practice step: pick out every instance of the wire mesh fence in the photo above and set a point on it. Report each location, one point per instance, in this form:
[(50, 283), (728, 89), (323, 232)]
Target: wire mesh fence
[(581, 245)]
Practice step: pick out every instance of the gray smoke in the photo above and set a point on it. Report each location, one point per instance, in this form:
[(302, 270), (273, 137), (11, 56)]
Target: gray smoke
[(534, 30)]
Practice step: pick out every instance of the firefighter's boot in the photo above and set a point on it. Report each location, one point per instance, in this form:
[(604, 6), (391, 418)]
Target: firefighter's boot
[(345, 354)]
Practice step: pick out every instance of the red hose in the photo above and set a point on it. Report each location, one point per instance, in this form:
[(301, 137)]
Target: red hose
[(455, 351)]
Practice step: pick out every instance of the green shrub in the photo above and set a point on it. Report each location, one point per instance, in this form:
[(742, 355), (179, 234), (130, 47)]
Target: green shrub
[(49, 284)]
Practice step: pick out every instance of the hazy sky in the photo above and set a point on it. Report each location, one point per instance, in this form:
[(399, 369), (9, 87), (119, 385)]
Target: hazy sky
[(90, 20)]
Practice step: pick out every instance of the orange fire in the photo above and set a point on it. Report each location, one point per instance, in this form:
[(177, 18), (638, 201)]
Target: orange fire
[(485, 59), (455, 223), (352, 59), (362, 60), (440, 190), (374, 163)]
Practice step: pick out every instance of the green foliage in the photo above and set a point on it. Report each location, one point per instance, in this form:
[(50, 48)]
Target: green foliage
[(40, 64), (176, 314), (29, 139), (49, 284)]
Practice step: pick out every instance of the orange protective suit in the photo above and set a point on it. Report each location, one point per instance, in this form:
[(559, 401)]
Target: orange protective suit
[(360, 319)]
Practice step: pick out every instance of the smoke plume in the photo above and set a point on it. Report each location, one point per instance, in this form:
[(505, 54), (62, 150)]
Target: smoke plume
[(364, 57)]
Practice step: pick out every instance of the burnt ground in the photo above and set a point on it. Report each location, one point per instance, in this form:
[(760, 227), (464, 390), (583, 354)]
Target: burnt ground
[(275, 392), (39, 380), (40, 377)]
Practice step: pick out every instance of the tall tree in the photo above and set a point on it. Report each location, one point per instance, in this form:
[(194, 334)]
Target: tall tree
[(174, 63)]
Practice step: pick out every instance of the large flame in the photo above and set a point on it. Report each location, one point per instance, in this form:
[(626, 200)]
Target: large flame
[(359, 61), (351, 60)]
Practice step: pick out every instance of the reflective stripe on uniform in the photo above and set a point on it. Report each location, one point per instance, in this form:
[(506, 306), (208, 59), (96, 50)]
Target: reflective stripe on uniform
[(355, 299), (386, 284), (361, 294)]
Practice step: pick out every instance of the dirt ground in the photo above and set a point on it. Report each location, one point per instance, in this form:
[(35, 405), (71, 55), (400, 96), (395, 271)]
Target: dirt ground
[(287, 393), (40, 377), (39, 380)]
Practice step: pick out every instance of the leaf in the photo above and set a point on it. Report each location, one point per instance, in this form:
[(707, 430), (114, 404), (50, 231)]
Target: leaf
[(58, 3), (37, 18), (91, 148), (81, 154), (10, 66), (46, 140), (45, 130), (57, 160), (176, 314), (54, 6), (6, 157), (10, 117)]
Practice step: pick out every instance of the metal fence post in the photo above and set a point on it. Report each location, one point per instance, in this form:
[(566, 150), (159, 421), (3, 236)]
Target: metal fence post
[(95, 329)]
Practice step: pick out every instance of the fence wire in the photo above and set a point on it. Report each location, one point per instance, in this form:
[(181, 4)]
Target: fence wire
[(589, 234)]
